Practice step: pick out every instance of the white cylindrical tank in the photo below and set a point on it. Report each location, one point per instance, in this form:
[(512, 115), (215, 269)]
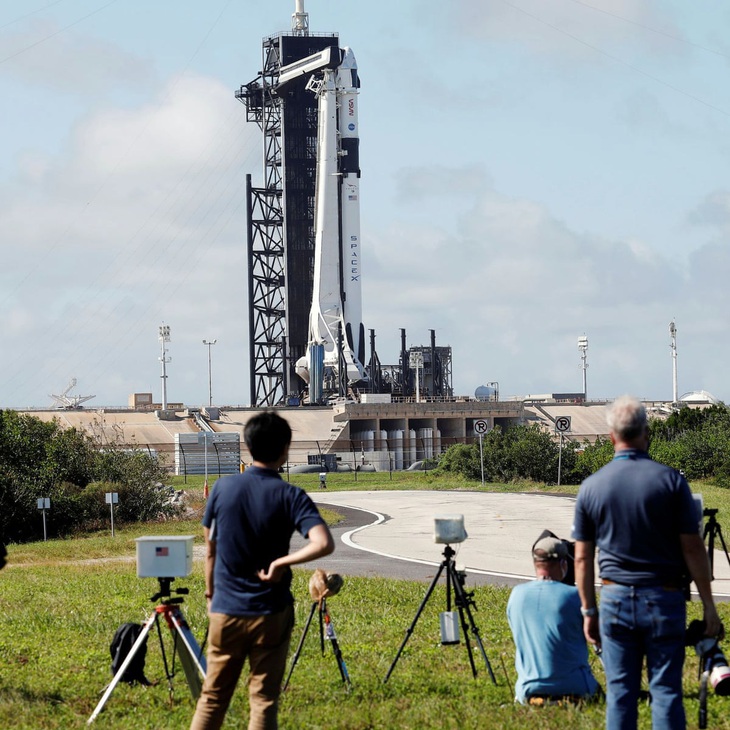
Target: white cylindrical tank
[(425, 438), (437, 443), (395, 438)]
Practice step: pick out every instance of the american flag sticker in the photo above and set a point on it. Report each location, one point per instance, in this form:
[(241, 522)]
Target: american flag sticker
[(162, 552)]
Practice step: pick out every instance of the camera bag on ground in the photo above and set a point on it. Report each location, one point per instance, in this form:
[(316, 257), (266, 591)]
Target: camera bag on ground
[(124, 639)]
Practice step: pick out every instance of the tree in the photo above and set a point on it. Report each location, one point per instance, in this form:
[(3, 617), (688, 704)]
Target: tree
[(41, 459)]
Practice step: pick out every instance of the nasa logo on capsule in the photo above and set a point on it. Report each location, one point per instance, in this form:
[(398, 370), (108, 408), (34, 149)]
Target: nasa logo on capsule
[(351, 127)]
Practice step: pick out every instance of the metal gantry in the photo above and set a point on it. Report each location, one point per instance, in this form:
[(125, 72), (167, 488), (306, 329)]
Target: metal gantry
[(281, 213)]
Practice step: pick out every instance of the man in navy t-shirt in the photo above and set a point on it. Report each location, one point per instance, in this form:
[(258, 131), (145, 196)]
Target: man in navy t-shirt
[(248, 523)]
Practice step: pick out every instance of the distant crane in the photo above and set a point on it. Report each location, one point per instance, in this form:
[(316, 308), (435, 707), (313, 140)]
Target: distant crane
[(69, 402)]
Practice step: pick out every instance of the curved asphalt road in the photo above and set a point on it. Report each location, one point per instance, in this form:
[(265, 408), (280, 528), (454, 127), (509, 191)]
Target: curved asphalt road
[(390, 534)]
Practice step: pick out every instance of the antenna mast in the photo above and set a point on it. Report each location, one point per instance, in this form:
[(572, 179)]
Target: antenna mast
[(300, 20), (673, 346), (163, 337), (583, 349)]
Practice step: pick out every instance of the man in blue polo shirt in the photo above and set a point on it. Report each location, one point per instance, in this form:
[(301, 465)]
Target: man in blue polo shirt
[(641, 517), (544, 615), (248, 523)]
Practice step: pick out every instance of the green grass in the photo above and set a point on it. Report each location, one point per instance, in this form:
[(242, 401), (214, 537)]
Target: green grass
[(58, 622), (60, 609)]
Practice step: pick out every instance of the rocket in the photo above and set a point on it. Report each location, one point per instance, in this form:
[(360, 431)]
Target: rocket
[(347, 85), (336, 331)]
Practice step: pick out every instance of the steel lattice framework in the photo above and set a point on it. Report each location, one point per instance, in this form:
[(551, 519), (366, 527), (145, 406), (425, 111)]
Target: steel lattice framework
[(281, 217)]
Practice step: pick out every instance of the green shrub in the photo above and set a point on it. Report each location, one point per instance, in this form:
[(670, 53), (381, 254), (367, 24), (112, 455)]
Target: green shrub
[(39, 459)]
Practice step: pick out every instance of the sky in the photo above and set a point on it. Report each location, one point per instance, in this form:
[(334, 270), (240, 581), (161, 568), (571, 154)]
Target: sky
[(533, 171)]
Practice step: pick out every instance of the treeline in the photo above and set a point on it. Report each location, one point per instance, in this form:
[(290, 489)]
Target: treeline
[(695, 441), (41, 459)]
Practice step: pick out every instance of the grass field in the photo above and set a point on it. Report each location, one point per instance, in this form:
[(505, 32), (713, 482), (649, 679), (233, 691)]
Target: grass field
[(61, 601)]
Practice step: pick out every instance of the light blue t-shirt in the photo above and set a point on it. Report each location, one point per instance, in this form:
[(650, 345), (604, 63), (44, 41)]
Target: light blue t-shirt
[(551, 652)]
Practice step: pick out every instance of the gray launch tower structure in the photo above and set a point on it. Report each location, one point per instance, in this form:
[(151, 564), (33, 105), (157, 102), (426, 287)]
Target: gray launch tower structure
[(281, 213)]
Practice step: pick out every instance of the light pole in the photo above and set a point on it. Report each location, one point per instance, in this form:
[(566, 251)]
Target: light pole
[(163, 337), (673, 346), (583, 349), (209, 344), (416, 361)]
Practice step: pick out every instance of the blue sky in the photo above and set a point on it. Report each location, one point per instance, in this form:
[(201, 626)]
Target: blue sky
[(532, 171)]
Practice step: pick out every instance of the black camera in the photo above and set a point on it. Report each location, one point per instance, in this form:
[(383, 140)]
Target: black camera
[(569, 578), (711, 657)]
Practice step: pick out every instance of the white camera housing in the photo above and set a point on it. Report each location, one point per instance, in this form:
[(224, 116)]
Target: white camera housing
[(164, 557), (449, 529)]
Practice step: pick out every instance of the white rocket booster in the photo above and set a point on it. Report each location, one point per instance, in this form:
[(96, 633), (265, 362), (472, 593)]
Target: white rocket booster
[(336, 309), (347, 86)]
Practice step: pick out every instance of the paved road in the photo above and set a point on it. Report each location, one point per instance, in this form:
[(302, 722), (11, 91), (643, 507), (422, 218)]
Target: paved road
[(391, 534)]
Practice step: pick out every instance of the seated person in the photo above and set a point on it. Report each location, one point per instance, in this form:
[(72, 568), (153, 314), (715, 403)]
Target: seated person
[(547, 626)]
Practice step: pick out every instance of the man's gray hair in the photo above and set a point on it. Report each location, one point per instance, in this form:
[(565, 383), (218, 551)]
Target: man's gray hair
[(626, 417)]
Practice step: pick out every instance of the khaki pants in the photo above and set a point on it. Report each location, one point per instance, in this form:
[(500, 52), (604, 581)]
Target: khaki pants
[(264, 640)]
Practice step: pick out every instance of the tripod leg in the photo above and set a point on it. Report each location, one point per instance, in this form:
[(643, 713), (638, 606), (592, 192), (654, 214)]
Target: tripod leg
[(409, 630), (463, 602), (169, 668), (295, 658), (709, 535), (118, 676), (469, 652), (332, 638), (722, 542), (190, 656)]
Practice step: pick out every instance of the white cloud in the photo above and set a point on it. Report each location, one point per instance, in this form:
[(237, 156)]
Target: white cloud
[(41, 54), (714, 211), (515, 282), (569, 28), (141, 219)]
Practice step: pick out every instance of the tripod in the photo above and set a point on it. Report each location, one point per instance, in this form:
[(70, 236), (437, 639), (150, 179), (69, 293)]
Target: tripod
[(191, 655), (711, 532), (463, 601), (326, 630)]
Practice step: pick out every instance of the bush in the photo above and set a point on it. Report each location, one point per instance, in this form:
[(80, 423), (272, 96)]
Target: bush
[(518, 452), (40, 459), (590, 458), (461, 459)]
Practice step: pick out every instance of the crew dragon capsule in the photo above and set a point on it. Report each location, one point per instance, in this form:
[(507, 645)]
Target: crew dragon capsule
[(336, 331)]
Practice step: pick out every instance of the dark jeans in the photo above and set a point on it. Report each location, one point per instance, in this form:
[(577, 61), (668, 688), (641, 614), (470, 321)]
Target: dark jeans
[(638, 622)]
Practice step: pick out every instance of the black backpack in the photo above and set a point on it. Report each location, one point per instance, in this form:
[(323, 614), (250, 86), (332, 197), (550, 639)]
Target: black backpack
[(124, 638)]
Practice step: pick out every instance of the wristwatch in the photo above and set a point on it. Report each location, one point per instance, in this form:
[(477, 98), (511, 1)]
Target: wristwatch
[(208, 595), (593, 611)]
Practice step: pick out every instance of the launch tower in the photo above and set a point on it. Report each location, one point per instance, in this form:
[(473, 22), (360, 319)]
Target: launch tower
[(281, 213)]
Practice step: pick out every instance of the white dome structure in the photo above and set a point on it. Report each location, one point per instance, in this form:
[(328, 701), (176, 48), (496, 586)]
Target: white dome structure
[(698, 396)]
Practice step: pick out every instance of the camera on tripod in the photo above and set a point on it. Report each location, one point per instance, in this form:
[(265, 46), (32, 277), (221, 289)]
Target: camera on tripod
[(711, 657), (449, 529), (165, 558)]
